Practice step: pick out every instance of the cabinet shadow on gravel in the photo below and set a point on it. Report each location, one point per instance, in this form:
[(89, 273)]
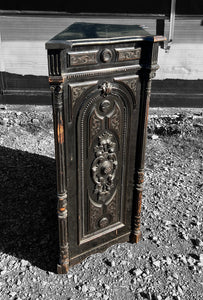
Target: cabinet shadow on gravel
[(28, 221)]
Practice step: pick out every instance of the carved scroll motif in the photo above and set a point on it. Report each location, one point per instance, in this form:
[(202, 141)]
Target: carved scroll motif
[(83, 58), (95, 125), (115, 121), (112, 208), (95, 212), (76, 92), (77, 89), (131, 82), (125, 54), (96, 217)]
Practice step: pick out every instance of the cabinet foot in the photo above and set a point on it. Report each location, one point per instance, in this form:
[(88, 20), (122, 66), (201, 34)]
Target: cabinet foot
[(63, 268), (135, 238)]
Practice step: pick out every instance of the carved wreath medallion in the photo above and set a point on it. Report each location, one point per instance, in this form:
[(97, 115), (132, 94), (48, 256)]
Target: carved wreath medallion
[(104, 166)]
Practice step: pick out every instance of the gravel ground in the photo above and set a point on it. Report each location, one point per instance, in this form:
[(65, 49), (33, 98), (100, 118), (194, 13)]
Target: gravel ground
[(168, 261)]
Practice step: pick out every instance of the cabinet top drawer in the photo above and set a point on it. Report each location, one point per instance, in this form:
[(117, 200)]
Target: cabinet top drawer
[(102, 56)]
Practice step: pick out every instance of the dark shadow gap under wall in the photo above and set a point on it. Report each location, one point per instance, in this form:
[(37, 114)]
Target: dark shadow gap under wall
[(30, 89)]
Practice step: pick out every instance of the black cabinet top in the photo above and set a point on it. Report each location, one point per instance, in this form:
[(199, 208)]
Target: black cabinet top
[(82, 33)]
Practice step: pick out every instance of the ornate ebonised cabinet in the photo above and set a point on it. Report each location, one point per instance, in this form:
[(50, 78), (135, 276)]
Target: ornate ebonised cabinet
[(100, 78)]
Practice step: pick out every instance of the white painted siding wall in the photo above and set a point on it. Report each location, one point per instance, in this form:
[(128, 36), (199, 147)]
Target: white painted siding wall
[(185, 58), (22, 44)]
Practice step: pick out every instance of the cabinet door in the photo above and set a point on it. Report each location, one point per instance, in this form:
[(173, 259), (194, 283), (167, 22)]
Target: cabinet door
[(105, 119)]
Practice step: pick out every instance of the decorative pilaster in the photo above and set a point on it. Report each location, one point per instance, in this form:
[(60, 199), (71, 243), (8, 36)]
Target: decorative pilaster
[(145, 77), (57, 97)]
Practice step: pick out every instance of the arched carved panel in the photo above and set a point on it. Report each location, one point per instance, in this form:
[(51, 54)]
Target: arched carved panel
[(102, 139)]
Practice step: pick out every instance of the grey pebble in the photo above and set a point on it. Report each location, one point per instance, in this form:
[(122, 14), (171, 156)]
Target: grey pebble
[(84, 288), (4, 121), (113, 264), (99, 295), (168, 260), (175, 275), (183, 259), (138, 272), (106, 286), (86, 265), (24, 263), (13, 294), (35, 121), (3, 272), (191, 261), (157, 263), (133, 281)]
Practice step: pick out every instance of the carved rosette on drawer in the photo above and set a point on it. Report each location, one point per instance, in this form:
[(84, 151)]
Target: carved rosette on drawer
[(102, 155)]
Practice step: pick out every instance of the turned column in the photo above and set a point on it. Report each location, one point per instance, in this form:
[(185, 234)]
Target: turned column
[(57, 98), (146, 78)]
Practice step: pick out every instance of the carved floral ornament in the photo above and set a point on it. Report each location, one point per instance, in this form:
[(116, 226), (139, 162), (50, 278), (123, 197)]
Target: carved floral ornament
[(104, 165)]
